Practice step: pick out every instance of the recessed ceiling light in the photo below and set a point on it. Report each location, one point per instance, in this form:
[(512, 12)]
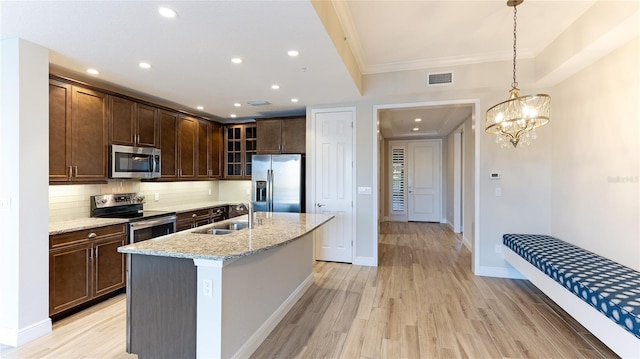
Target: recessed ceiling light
[(200, 108), (275, 87), (294, 100), (167, 12), (418, 119), (237, 104), (233, 115), (416, 129), (236, 60), (293, 53), (145, 65), (93, 71)]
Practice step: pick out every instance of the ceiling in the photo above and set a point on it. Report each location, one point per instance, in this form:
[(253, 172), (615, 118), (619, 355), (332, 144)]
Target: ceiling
[(190, 55)]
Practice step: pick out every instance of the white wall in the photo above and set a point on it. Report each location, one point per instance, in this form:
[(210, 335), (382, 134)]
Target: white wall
[(526, 184), (596, 157), (24, 241)]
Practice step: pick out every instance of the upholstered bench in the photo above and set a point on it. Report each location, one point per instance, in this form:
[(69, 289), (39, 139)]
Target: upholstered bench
[(604, 296)]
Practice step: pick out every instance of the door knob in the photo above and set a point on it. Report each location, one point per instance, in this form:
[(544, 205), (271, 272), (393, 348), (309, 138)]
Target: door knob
[(319, 205)]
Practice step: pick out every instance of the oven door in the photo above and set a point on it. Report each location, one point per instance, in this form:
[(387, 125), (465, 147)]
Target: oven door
[(151, 228)]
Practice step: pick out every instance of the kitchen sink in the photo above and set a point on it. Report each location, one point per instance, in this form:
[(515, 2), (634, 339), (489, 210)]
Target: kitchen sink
[(218, 231), (225, 228)]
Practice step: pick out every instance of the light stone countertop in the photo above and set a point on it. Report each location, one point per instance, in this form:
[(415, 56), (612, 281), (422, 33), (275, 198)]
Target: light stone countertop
[(92, 222), (277, 229), (82, 223)]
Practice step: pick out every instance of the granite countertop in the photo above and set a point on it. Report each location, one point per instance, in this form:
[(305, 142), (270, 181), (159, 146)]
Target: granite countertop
[(277, 229), (92, 222), (82, 223)]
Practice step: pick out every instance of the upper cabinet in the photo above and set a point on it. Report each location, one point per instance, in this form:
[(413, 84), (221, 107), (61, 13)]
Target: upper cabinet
[(78, 146), (132, 123), (209, 149), (187, 146), (190, 147), (281, 135), (240, 146), (84, 122), (168, 144)]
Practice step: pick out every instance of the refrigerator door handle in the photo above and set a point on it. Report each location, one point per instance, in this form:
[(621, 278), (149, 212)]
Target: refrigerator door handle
[(270, 190)]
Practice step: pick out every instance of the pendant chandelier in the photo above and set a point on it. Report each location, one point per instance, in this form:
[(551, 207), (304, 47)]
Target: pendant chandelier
[(515, 120)]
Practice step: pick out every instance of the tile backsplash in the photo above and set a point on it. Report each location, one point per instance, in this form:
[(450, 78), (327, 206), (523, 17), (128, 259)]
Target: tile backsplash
[(68, 202)]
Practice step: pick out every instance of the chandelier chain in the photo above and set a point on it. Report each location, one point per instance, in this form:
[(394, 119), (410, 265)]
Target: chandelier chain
[(514, 84)]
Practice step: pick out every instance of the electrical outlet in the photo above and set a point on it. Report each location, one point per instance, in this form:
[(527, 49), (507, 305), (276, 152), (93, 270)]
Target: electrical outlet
[(156, 196), (498, 248), (209, 191), (207, 288)]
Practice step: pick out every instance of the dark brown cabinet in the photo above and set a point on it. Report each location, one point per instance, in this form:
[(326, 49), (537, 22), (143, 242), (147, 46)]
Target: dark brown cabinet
[(200, 217), (192, 219), (84, 265), (281, 135), (169, 144), (77, 133), (209, 149), (187, 146), (190, 147), (240, 146), (132, 123)]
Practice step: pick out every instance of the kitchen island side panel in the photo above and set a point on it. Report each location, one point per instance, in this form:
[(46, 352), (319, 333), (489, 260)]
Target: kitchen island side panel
[(161, 307), (255, 288)]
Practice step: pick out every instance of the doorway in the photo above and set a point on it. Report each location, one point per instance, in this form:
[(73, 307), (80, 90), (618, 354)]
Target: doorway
[(446, 125)]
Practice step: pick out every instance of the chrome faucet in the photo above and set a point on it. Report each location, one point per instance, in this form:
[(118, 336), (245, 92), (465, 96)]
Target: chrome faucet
[(249, 214)]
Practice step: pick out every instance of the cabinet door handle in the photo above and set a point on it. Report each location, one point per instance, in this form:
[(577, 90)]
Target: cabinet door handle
[(96, 253), (76, 171), (70, 171), (92, 235), (193, 215), (90, 253)]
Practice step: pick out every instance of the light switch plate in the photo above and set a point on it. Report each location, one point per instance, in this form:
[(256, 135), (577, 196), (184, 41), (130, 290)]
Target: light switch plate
[(5, 204), (364, 190)]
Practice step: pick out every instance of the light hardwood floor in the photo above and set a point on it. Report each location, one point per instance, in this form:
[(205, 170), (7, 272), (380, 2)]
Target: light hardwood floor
[(421, 302)]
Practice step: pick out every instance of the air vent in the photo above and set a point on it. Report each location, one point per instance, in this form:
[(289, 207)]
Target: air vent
[(259, 103), (445, 78)]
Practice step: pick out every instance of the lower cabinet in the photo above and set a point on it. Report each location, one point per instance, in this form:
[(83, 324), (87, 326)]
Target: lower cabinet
[(201, 217), (84, 265)]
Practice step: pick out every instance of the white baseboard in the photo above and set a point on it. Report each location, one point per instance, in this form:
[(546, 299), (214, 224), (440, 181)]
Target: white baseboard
[(622, 342), (18, 337), (499, 272), (467, 243), (365, 261), (265, 329)]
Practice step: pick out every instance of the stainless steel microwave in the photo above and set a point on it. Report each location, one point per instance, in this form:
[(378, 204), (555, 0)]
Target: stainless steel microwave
[(134, 162)]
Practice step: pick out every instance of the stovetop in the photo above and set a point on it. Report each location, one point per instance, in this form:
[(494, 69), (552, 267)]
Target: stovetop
[(123, 205)]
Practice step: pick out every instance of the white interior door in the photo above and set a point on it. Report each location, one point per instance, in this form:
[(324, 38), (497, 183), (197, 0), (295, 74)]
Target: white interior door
[(333, 184), (424, 175)]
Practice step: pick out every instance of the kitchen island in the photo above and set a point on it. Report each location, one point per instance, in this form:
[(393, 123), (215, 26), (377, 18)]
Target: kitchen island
[(194, 294)]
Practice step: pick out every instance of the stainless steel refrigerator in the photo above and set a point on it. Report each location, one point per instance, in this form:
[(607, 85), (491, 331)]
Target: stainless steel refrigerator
[(277, 183)]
